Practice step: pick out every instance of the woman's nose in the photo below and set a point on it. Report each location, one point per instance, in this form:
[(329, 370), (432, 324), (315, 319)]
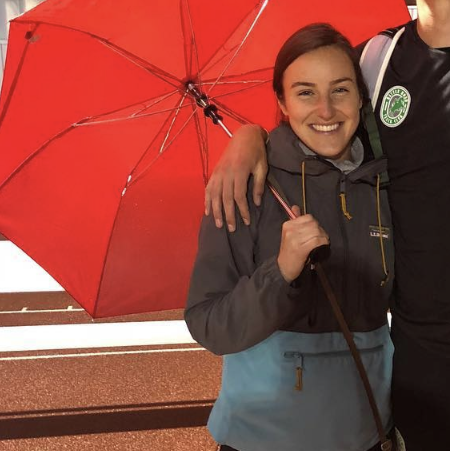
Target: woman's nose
[(325, 108)]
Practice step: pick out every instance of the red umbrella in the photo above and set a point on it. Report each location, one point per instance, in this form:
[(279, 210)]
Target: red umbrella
[(104, 148)]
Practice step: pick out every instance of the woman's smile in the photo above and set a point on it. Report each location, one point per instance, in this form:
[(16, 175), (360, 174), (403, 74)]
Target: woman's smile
[(326, 128)]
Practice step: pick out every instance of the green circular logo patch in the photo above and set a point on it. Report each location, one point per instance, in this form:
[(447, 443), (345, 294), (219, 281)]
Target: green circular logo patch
[(395, 106)]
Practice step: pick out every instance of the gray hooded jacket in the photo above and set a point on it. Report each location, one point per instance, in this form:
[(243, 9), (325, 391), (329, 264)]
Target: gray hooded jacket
[(289, 382), (238, 297)]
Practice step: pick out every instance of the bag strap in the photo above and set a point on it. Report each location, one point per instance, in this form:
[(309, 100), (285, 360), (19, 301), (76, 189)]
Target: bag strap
[(374, 138), (374, 62), (375, 59), (386, 444)]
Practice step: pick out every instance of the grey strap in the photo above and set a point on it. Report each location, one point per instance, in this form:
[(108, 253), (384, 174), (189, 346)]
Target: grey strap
[(374, 62), (375, 59)]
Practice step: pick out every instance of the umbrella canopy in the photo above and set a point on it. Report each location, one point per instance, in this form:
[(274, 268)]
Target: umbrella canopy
[(105, 151)]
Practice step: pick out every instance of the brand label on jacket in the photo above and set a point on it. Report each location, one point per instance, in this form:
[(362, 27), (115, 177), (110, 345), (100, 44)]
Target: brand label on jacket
[(374, 231)]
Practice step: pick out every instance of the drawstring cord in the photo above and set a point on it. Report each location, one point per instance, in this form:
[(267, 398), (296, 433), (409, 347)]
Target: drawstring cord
[(380, 231), (304, 187), (343, 189), (344, 206)]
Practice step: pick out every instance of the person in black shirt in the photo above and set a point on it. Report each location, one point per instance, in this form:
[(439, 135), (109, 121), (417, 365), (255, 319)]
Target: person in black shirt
[(416, 140)]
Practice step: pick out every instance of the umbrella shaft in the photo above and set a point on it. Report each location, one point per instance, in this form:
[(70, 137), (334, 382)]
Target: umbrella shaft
[(209, 109), (225, 129)]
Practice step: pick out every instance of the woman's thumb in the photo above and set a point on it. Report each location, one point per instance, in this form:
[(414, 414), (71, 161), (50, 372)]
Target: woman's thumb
[(296, 210)]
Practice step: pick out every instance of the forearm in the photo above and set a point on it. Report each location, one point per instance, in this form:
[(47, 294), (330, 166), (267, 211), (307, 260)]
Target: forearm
[(251, 134)]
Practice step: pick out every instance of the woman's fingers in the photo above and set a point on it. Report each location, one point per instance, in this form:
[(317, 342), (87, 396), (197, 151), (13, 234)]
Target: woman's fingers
[(300, 236)]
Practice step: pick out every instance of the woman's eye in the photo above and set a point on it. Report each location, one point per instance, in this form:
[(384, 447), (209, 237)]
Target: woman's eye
[(304, 93), (341, 90)]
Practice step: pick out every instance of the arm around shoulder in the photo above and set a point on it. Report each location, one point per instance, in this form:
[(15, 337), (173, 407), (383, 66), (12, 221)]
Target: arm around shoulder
[(244, 155)]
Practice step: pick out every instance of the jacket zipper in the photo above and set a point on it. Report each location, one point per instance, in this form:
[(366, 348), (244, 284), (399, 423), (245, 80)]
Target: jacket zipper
[(299, 357), (342, 190), (341, 353)]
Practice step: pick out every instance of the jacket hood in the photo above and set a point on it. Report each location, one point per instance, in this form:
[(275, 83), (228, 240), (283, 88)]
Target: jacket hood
[(284, 152)]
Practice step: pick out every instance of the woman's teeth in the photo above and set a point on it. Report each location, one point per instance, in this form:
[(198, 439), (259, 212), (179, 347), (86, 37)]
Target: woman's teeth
[(325, 128)]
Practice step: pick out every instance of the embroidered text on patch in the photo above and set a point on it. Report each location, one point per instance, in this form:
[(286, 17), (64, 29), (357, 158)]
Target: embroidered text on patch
[(395, 106)]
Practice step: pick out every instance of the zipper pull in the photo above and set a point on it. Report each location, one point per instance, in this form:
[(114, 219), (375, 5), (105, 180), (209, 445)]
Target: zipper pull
[(299, 379), (298, 369)]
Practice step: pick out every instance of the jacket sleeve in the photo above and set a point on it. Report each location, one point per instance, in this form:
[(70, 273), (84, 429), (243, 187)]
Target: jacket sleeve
[(232, 304)]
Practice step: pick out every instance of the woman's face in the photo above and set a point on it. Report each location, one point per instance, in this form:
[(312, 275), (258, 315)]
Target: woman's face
[(322, 101)]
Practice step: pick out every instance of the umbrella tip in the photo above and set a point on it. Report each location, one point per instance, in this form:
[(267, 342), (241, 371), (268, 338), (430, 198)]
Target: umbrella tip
[(200, 97), (31, 37)]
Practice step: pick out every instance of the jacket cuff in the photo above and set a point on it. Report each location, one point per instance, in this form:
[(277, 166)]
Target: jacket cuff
[(273, 270)]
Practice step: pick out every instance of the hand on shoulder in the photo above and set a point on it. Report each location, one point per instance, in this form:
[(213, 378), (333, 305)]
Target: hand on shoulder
[(245, 155)]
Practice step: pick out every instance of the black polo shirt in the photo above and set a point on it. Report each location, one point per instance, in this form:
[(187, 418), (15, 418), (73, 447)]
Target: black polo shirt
[(413, 114)]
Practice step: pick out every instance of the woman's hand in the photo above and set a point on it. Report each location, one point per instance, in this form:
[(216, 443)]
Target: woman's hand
[(244, 155), (299, 237)]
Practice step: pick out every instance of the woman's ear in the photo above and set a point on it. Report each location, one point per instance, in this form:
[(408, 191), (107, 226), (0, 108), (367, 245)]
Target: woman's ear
[(282, 107)]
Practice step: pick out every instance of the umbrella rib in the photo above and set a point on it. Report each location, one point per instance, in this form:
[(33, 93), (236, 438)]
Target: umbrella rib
[(159, 100), (15, 79), (193, 54), (134, 179), (38, 150), (263, 7), (179, 131), (93, 119), (169, 130), (230, 78), (134, 116), (160, 73), (148, 67), (232, 114), (236, 82), (129, 118), (258, 15), (205, 65), (246, 88), (203, 145)]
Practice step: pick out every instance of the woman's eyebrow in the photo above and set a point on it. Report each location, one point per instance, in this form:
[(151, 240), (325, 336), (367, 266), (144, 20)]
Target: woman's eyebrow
[(341, 80), (302, 83), (312, 85)]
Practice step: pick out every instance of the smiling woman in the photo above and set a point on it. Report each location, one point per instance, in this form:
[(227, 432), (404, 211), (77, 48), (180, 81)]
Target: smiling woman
[(255, 299)]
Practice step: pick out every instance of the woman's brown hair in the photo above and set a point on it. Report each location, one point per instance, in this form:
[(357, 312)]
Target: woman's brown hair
[(307, 39)]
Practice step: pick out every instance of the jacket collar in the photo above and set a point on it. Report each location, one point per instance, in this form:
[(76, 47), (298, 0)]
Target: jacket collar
[(286, 152)]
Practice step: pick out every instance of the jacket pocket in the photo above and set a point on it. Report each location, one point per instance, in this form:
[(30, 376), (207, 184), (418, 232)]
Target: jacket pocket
[(300, 361)]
